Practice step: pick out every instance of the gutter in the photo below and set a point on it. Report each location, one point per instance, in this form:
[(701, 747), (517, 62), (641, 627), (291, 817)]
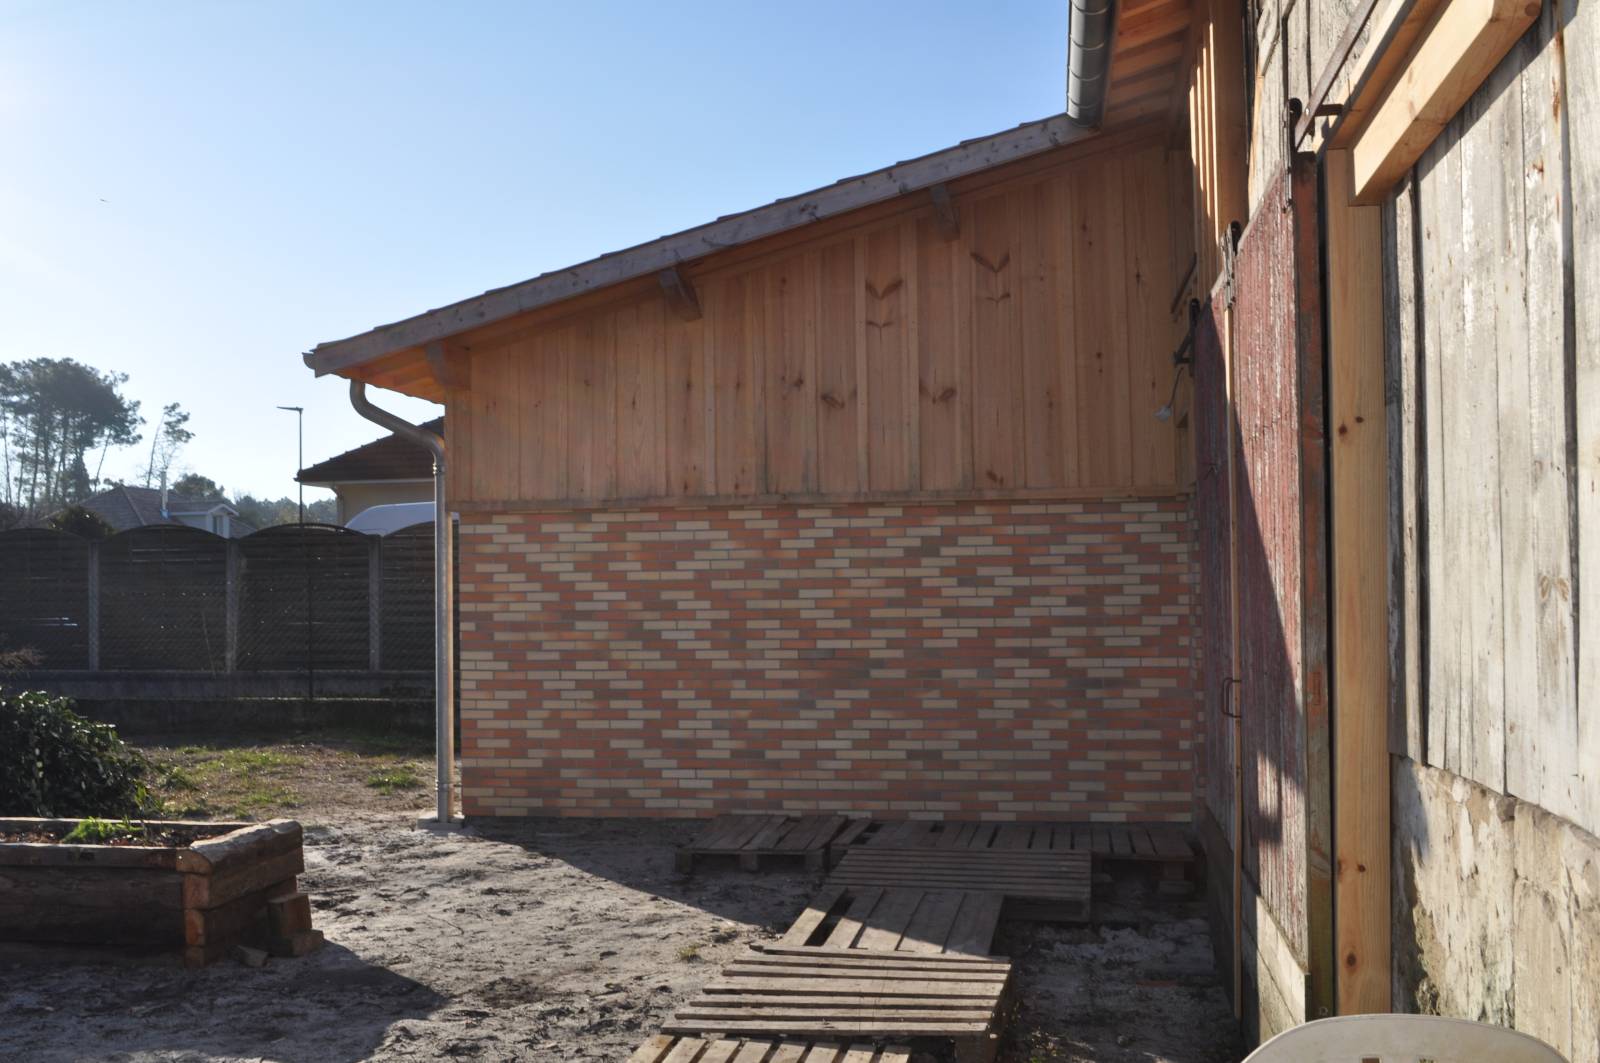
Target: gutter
[(1091, 27), (444, 627)]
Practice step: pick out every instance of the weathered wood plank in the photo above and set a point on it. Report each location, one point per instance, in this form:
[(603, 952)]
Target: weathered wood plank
[(1581, 37), (1439, 194), (1403, 400), (1542, 754)]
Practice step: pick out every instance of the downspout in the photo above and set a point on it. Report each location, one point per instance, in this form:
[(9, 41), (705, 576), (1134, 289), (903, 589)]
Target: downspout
[(1090, 27), (444, 627)]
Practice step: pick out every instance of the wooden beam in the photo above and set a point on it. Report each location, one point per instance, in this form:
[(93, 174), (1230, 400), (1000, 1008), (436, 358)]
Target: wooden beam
[(944, 212), (448, 366), (1454, 55), (1389, 42), (679, 293), (1359, 561)]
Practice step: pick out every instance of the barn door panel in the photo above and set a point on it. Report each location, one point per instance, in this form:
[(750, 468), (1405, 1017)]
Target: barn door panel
[(1264, 433)]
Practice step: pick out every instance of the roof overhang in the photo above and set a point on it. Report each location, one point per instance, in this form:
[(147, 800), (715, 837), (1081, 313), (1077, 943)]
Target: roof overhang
[(346, 357)]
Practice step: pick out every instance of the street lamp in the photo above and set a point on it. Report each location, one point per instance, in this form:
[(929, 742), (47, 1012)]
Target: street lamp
[(300, 421)]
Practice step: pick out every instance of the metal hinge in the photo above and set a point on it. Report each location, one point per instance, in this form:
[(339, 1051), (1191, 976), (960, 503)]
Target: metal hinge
[(1230, 256)]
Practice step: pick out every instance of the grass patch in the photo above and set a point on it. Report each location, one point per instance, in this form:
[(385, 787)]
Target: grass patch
[(388, 781), (243, 782), (689, 953)]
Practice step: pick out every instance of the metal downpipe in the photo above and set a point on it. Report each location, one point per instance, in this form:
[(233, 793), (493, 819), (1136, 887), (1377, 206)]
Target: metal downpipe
[(444, 627), (1090, 25)]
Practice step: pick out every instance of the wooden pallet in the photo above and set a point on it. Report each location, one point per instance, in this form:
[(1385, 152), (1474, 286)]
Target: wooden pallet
[(1162, 844), (899, 920), (803, 992), (665, 1048), (1036, 883), (752, 837)]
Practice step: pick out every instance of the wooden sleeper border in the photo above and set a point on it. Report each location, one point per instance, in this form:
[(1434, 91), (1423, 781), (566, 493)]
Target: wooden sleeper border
[(195, 901)]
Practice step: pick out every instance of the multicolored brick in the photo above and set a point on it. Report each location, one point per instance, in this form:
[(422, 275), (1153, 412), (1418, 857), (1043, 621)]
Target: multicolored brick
[(993, 659)]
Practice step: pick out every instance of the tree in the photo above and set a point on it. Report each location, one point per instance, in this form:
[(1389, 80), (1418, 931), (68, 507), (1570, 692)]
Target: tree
[(84, 523), (54, 411), (165, 442), (268, 513), (193, 485)]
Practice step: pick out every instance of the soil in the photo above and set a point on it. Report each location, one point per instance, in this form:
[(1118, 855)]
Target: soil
[(547, 940), (161, 838)]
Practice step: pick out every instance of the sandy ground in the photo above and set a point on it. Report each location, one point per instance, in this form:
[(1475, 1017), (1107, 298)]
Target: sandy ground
[(567, 940)]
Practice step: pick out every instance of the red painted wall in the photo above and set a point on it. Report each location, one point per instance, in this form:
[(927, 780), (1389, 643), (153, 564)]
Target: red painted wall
[(998, 659)]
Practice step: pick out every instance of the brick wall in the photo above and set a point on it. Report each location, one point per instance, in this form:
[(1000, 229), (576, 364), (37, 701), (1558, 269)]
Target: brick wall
[(975, 658)]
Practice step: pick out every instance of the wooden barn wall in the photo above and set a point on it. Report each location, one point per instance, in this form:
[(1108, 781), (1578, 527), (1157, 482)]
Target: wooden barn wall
[(1027, 355), (1294, 42), (1493, 293)]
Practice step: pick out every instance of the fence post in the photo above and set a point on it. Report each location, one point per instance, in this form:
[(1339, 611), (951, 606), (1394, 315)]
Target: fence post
[(93, 619), (230, 606), (375, 604)]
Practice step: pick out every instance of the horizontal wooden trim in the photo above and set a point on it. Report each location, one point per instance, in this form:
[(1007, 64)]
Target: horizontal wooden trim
[(1042, 494), (1453, 57)]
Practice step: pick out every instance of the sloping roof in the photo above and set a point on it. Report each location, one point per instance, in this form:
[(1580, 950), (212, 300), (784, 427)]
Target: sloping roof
[(731, 230), (389, 458), (124, 507)]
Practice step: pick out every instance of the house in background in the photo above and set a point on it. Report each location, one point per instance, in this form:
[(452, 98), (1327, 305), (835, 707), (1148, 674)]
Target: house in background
[(380, 473), (123, 507)]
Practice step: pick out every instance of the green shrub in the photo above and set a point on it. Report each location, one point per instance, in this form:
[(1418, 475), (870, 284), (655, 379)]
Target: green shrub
[(54, 763)]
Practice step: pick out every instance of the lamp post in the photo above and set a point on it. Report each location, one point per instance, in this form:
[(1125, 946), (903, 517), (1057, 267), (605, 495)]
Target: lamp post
[(300, 427)]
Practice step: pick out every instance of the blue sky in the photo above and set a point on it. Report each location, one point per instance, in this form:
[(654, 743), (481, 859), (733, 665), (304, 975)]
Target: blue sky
[(195, 193)]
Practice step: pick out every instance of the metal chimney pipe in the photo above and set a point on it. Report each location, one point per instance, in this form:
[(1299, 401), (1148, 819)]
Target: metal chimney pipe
[(1090, 27), (444, 627)]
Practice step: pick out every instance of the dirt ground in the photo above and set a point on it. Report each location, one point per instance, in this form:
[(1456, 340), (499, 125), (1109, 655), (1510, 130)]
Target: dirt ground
[(555, 940)]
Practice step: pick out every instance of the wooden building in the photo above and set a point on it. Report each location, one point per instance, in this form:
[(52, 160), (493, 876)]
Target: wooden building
[(880, 498)]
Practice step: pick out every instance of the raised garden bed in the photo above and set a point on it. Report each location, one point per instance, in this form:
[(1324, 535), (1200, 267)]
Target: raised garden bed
[(175, 888)]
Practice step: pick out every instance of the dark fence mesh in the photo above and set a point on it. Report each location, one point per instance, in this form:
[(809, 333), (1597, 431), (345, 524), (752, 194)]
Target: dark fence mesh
[(303, 598), (406, 603), (164, 600), (44, 595)]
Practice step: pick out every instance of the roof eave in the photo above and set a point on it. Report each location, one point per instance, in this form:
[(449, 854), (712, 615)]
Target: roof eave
[(968, 157)]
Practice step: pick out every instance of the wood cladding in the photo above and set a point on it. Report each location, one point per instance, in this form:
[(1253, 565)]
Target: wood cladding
[(1027, 353), (1218, 136)]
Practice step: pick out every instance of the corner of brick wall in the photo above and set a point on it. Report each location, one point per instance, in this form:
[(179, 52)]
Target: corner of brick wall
[(994, 659)]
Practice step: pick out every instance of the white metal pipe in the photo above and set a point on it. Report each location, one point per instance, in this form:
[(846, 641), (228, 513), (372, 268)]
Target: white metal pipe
[(444, 627)]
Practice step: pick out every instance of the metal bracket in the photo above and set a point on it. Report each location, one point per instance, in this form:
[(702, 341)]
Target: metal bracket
[(1184, 355), (1291, 119), (1230, 254), (1228, 685)]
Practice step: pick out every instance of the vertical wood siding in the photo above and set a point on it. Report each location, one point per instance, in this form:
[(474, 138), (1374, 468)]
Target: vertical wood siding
[(1029, 353), (1493, 287)]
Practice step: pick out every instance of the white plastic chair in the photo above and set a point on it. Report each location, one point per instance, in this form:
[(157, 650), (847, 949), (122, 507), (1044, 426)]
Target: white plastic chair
[(1402, 1039)]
